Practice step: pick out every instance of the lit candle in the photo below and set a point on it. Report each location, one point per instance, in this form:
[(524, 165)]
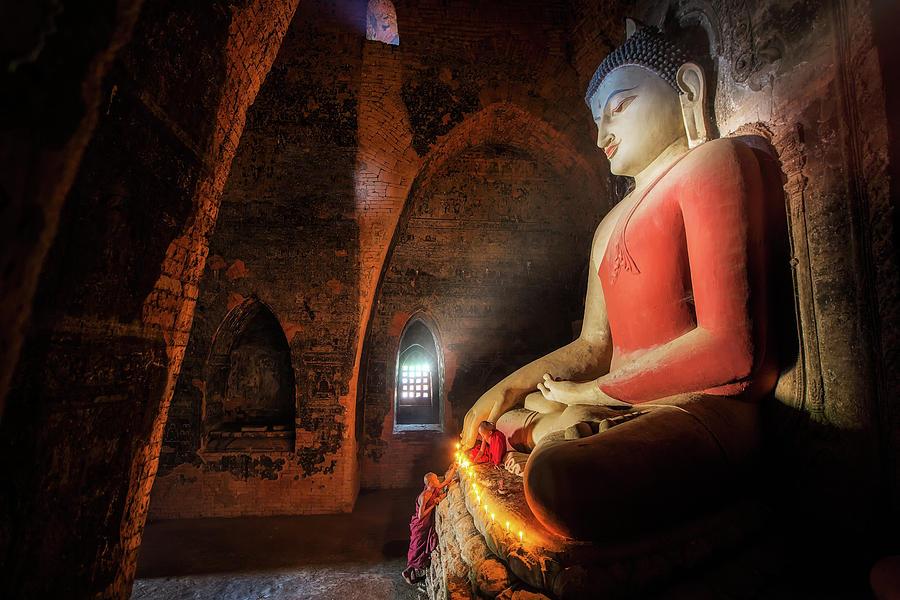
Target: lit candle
[(520, 536), (485, 508), (492, 517), (507, 525), (457, 445)]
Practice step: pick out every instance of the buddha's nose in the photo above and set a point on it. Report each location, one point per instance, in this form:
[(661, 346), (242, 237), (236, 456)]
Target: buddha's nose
[(603, 138)]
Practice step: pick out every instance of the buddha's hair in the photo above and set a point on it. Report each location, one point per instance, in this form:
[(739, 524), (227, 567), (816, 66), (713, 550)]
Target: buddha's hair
[(647, 48)]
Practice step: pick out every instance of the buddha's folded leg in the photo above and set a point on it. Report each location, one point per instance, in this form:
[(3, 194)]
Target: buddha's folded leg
[(517, 425), (657, 468)]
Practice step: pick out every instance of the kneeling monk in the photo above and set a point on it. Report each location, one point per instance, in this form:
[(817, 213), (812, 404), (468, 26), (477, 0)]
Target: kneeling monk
[(491, 447), (675, 318)]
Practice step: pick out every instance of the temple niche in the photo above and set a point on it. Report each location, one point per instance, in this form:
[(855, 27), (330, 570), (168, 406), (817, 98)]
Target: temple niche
[(249, 389), (265, 264)]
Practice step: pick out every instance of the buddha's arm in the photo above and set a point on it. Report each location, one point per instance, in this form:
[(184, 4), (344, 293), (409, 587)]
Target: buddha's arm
[(586, 357)]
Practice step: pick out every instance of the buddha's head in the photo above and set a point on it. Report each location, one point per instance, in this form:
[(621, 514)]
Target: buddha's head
[(645, 97)]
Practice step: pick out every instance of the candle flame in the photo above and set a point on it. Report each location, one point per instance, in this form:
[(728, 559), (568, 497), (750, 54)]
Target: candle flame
[(457, 446), (520, 535), (507, 525), (492, 516)]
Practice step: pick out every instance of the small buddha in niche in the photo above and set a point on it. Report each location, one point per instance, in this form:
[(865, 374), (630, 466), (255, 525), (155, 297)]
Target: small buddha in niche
[(655, 404)]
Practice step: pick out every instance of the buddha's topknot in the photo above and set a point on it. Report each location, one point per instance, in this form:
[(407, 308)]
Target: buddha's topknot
[(647, 48)]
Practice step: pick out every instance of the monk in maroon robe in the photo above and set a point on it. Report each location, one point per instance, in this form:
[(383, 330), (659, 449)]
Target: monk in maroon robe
[(422, 535), (491, 447)]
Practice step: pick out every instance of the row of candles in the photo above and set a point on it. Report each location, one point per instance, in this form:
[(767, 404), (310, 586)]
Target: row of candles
[(463, 463)]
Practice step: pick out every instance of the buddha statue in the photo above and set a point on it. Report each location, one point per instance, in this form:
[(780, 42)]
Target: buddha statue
[(654, 408)]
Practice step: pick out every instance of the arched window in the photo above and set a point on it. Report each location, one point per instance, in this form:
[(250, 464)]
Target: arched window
[(249, 400), (381, 22), (418, 392)]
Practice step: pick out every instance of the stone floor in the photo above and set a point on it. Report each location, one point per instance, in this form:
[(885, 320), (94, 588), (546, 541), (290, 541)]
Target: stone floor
[(353, 556)]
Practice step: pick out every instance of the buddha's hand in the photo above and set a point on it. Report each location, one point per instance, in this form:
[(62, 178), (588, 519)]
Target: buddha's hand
[(478, 413), (573, 392)]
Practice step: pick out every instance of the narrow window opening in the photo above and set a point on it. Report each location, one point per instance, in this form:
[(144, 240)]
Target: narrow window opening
[(381, 22), (418, 392)]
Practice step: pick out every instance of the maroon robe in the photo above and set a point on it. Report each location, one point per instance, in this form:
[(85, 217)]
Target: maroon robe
[(495, 450), (422, 536)]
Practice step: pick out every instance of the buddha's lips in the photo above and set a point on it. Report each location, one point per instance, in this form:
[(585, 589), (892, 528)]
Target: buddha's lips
[(610, 150)]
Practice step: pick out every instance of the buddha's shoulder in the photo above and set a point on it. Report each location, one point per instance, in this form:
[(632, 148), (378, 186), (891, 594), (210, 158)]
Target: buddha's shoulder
[(719, 154)]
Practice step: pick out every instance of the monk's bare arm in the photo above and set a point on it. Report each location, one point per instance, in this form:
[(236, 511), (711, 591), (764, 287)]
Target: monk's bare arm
[(587, 357), (424, 505)]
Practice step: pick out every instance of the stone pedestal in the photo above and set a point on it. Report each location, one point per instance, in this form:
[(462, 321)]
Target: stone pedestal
[(491, 546), (463, 566)]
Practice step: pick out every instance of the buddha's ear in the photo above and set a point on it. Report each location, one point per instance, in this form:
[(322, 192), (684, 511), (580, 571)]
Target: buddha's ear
[(630, 27), (692, 82)]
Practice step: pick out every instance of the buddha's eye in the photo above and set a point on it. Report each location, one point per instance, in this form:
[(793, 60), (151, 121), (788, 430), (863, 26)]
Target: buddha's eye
[(622, 104)]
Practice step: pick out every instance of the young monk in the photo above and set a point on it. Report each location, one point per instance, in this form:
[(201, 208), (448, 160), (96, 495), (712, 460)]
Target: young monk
[(492, 445), (422, 536)]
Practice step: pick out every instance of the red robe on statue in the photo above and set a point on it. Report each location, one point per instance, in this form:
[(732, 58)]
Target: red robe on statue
[(422, 536), (495, 450)]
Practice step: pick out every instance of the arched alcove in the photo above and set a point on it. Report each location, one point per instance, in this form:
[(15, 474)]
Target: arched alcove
[(381, 22), (419, 377), (249, 403)]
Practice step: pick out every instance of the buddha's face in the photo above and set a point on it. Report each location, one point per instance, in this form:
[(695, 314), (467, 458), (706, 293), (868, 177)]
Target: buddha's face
[(638, 115)]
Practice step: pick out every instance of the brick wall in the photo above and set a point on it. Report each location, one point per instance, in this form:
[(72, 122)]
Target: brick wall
[(116, 296), (491, 251), (495, 78), (286, 236), (340, 132)]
